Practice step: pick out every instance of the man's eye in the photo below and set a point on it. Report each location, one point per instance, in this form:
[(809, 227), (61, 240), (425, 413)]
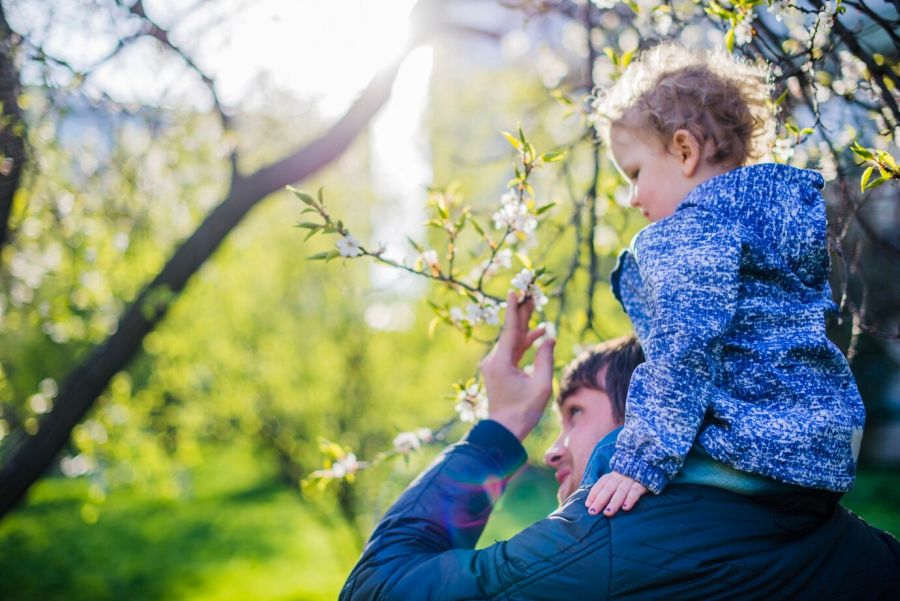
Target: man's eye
[(573, 411)]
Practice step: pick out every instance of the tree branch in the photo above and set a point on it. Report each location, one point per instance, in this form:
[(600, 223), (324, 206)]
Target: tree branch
[(33, 455)]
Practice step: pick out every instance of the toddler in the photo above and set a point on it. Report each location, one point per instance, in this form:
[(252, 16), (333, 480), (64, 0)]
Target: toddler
[(727, 289)]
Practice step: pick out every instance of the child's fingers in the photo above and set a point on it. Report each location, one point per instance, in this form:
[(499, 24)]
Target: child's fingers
[(615, 502), (600, 494), (636, 492)]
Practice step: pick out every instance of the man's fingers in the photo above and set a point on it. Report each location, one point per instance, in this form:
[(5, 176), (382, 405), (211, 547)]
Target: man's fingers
[(506, 346), (533, 335), (524, 311), (525, 343), (543, 361)]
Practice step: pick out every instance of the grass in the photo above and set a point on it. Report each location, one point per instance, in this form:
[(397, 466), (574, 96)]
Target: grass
[(241, 536)]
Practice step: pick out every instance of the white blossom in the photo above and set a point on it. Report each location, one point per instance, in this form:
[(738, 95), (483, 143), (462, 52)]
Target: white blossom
[(549, 333), (348, 246), (780, 9), (472, 404), (406, 442), (502, 260), (784, 150), (522, 280), (603, 4), (490, 311), (743, 31), (540, 299), (344, 466), (516, 217), (430, 258), (456, 315), (425, 435), (473, 313)]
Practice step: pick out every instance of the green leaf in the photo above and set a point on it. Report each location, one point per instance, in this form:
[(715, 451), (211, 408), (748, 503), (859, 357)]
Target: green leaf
[(608, 51), (524, 260), (414, 244), (886, 158), (781, 98), (860, 151), (306, 198), (806, 131), (512, 140), (729, 40), (522, 137), (319, 256), (309, 225), (864, 180), (543, 209), (477, 227), (876, 182), (442, 209), (553, 156), (310, 234)]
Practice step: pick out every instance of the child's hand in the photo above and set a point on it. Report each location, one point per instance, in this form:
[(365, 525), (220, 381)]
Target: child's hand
[(612, 491)]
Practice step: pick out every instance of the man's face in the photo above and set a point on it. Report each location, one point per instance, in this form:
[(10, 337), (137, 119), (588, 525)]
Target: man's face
[(586, 417)]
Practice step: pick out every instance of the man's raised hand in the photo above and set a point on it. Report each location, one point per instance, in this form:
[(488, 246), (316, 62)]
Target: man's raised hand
[(516, 399)]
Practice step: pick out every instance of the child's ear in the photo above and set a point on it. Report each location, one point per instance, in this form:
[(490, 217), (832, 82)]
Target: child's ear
[(688, 150)]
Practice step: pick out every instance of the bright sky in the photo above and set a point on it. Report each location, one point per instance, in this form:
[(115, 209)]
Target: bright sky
[(327, 49), (322, 49)]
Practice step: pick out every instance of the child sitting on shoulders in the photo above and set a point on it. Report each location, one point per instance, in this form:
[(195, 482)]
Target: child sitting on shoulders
[(727, 289)]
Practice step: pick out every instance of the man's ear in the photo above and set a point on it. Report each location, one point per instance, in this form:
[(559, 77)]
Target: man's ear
[(688, 150)]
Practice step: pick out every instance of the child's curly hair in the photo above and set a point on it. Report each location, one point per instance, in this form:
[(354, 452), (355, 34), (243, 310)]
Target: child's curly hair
[(712, 94)]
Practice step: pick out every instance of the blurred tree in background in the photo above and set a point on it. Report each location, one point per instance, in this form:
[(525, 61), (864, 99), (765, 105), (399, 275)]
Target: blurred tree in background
[(157, 365)]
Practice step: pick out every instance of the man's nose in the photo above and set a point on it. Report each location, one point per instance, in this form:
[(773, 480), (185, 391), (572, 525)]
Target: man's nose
[(554, 454)]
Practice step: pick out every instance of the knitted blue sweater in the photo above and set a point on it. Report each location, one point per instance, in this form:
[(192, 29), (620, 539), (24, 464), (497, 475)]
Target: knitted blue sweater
[(728, 297)]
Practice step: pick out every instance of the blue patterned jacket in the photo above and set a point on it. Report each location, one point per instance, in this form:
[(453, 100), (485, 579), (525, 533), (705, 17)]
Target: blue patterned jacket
[(728, 297)]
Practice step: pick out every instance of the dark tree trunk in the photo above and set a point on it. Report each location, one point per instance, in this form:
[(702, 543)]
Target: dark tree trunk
[(12, 128)]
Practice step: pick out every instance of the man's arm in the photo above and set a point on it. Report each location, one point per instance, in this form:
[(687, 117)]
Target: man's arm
[(423, 547)]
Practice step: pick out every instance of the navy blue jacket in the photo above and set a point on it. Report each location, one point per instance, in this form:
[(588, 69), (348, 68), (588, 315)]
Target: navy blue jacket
[(728, 296), (690, 542)]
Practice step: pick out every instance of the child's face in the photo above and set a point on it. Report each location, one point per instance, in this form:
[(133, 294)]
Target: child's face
[(658, 179)]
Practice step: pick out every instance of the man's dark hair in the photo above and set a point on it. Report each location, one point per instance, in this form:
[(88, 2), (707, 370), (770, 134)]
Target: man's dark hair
[(619, 356)]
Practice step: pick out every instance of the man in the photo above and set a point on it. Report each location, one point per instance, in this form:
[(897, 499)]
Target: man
[(690, 542)]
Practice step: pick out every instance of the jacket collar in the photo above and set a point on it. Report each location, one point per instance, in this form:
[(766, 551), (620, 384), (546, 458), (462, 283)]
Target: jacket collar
[(599, 462)]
